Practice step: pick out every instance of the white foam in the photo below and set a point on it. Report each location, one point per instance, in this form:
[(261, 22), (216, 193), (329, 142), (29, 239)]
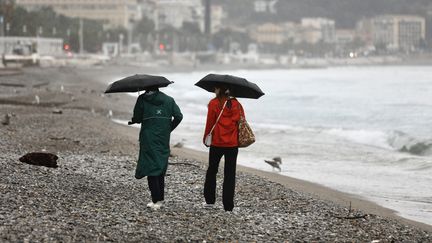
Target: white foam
[(372, 138)]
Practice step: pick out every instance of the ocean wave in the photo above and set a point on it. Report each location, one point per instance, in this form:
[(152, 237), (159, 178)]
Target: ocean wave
[(394, 140), (390, 140), (280, 127), (408, 144), (366, 137)]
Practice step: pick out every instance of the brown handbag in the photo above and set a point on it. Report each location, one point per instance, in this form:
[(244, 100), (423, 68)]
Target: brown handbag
[(246, 136)]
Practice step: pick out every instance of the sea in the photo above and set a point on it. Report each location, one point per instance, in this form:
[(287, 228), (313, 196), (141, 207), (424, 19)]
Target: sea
[(361, 130)]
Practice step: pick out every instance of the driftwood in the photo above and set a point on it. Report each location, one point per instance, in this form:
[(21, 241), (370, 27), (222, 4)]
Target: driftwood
[(37, 85), (56, 138), (350, 215), (12, 85)]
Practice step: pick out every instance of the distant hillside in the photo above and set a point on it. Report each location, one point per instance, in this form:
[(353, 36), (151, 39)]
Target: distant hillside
[(345, 12)]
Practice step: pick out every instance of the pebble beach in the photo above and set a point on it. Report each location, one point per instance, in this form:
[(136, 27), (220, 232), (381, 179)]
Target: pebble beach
[(93, 196)]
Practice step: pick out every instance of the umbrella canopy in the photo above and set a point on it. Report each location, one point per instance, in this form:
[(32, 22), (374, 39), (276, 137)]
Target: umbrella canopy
[(239, 87), (137, 82)]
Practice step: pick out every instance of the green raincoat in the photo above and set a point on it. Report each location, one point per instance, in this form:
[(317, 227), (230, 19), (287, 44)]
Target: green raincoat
[(155, 111)]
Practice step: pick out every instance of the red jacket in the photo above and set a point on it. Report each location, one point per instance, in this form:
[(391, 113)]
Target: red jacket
[(225, 133)]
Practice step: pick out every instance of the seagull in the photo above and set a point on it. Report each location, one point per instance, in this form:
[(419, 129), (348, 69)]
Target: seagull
[(37, 99), (275, 163), (178, 145)]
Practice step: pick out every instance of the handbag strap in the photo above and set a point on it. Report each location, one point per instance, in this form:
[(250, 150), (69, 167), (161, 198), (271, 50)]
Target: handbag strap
[(242, 116), (220, 114)]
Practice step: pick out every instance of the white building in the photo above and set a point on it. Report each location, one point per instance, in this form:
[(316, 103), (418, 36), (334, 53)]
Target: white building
[(218, 15), (293, 32), (319, 29), (269, 33), (174, 12), (399, 32)]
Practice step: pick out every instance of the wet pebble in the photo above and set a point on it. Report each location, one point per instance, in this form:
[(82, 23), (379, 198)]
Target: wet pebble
[(96, 198)]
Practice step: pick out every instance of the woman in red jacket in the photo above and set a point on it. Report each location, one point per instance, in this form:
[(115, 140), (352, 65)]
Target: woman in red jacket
[(224, 143)]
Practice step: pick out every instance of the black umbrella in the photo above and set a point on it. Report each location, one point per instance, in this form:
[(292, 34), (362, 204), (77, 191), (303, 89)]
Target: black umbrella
[(239, 87), (137, 82)]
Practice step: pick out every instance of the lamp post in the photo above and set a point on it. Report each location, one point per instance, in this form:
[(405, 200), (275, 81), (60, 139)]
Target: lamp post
[(7, 28), (207, 18), (81, 37), (130, 35), (1, 25), (121, 37)]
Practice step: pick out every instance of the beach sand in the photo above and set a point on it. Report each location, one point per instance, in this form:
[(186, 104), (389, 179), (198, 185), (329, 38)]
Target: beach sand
[(93, 196)]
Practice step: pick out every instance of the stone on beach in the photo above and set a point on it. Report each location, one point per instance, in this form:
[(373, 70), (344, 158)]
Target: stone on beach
[(6, 120), (41, 159), (57, 111)]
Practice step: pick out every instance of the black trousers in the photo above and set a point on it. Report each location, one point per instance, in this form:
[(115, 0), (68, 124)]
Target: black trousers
[(215, 156), (157, 187)]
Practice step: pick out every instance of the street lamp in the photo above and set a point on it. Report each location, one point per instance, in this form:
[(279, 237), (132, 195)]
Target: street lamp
[(1, 25), (7, 28), (130, 34), (121, 37)]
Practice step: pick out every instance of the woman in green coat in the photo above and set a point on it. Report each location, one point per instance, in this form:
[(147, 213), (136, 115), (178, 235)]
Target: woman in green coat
[(159, 115)]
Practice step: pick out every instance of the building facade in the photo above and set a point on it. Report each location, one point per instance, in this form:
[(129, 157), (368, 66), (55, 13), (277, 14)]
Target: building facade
[(326, 27), (174, 12), (218, 15), (364, 31), (429, 28), (113, 13), (344, 36), (399, 32), (268, 33)]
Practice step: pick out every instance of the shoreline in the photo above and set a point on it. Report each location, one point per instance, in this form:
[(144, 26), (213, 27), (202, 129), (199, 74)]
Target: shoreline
[(97, 156), (323, 192), (314, 189), (342, 198)]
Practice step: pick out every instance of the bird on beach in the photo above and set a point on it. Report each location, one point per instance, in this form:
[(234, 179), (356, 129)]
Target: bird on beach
[(37, 100), (275, 162), (179, 145)]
